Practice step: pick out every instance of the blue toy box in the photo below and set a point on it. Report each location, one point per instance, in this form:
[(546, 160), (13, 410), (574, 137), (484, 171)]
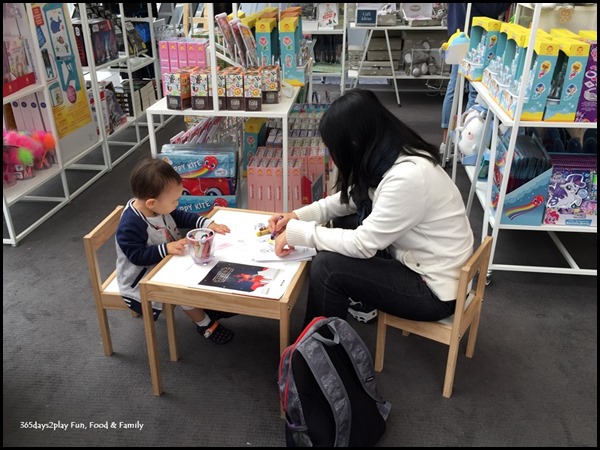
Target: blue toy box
[(482, 47), (201, 160)]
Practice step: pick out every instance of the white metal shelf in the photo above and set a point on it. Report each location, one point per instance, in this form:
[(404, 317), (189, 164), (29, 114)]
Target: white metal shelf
[(340, 29), (356, 74), (124, 63), (353, 25), (22, 190), (32, 89), (280, 110), (482, 189)]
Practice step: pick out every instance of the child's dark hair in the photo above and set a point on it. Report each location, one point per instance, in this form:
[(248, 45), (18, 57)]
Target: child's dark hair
[(151, 176)]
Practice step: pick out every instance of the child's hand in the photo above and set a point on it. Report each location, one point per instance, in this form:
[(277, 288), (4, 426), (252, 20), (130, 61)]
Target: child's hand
[(219, 228), (177, 247)]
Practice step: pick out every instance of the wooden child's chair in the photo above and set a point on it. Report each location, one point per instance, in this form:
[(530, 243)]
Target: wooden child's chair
[(448, 331), (106, 291)]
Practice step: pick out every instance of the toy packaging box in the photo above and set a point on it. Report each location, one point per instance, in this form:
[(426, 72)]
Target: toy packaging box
[(567, 80), (201, 89), (234, 87), (253, 89), (254, 137), (104, 41), (177, 89), (573, 191), (587, 108), (201, 160), (539, 84), (290, 46), (527, 186), (267, 40), (509, 65), (271, 84), (482, 47), (206, 203), (17, 72)]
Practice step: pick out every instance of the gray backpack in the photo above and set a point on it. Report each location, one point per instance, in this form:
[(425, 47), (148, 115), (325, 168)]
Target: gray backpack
[(327, 388)]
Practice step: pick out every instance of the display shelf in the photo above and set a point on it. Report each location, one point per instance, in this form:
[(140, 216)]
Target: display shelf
[(356, 74), (289, 95), (124, 63), (32, 89), (482, 189), (72, 135), (339, 69)]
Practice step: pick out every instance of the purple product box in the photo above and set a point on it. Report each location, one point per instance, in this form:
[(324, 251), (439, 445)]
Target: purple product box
[(587, 108)]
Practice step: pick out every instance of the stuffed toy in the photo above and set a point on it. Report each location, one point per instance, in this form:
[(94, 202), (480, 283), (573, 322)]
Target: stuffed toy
[(471, 131)]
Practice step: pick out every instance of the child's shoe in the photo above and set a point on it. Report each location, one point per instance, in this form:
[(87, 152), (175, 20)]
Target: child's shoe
[(217, 315), (216, 332)]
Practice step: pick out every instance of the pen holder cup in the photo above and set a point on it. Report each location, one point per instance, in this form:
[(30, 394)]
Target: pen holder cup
[(201, 245)]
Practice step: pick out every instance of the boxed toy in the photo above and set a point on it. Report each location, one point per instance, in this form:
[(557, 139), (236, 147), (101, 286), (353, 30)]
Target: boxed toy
[(201, 89), (177, 89), (17, 72), (204, 204), (201, 160), (573, 190), (271, 84), (267, 40), (234, 87), (482, 47), (290, 45), (567, 80), (527, 186), (538, 86), (253, 89), (587, 108), (254, 136), (104, 41)]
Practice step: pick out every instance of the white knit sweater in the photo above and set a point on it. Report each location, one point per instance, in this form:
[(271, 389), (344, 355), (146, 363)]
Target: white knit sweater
[(418, 212)]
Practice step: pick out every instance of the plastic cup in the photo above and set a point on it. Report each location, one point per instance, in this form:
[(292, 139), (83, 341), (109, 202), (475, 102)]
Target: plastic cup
[(201, 243)]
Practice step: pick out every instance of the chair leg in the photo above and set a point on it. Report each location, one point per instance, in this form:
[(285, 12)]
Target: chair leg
[(451, 367), (473, 334), (380, 342), (104, 331), (171, 331)]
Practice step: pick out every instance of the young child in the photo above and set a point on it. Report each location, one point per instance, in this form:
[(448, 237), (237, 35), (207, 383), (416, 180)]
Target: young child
[(149, 231)]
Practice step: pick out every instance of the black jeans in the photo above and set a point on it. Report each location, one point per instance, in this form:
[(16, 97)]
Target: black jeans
[(383, 283)]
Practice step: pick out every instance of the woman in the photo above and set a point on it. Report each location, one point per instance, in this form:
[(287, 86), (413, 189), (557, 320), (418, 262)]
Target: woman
[(413, 235)]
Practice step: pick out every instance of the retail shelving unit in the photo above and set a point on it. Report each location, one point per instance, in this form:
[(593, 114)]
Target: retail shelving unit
[(280, 110), (124, 63), (339, 70), (356, 74), (483, 190), (42, 188)]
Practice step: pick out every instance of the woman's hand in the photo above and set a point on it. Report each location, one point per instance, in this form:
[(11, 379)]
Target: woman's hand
[(281, 245), (219, 228), (278, 222)]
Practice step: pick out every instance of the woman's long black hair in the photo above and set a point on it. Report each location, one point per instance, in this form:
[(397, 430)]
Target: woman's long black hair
[(364, 140)]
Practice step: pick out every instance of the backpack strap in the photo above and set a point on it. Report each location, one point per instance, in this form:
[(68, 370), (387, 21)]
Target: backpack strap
[(329, 381), (361, 360)]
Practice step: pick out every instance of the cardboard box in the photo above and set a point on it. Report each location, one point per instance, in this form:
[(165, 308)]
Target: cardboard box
[(587, 108), (177, 89), (104, 41), (254, 137)]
